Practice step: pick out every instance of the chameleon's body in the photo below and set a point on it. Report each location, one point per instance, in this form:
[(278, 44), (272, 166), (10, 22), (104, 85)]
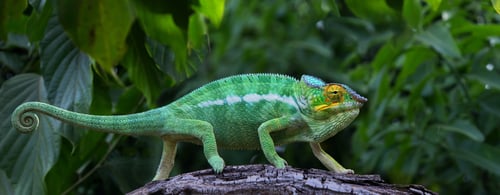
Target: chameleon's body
[(253, 111)]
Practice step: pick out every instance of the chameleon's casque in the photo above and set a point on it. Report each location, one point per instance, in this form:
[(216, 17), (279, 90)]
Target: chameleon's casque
[(251, 111)]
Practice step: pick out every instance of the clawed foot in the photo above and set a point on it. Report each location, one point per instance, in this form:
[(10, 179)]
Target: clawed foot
[(217, 164), (279, 163), (344, 171)]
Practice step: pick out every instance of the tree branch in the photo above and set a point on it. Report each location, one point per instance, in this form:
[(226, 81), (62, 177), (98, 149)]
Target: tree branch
[(266, 179)]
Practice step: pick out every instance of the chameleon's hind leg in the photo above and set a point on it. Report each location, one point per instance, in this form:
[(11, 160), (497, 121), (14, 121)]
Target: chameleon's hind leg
[(167, 158), (202, 131)]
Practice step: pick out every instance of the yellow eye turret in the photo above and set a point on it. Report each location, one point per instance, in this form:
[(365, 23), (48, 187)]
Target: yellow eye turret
[(333, 95)]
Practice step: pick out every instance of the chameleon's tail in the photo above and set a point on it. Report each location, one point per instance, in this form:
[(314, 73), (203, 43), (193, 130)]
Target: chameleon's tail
[(25, 120)]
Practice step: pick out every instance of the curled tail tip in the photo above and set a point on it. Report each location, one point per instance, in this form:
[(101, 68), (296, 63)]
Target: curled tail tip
[(24, 121)]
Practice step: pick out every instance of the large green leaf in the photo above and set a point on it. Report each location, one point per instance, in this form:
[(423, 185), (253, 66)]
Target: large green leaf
[(489, 78), (180, 10), (434, 4), (376, 10), (479, 31), (412, 61), (11, 17), (385, 56), (324, 7), (141, 68), (412, 13), (196, 31), (463, 127), (11, 60), (165, 59), (129, 101), (496, 5), (6, 186), (489, 103), (213, 10), (162, 28), (38, 20), (439, 37), (98, 27), (67, 73), (26, 159), (479, 154)]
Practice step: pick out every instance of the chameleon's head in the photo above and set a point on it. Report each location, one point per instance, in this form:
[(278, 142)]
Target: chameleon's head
[(321, 100)]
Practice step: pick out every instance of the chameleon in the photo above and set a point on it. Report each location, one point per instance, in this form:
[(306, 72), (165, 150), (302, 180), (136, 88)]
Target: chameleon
[(247, 111)]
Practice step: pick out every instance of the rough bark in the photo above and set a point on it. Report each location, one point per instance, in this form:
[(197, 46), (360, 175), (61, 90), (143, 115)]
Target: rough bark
[(266, 179)]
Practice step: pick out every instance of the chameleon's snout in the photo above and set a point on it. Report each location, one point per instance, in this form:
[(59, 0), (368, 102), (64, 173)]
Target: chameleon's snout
[(355, 96), (358, 98)]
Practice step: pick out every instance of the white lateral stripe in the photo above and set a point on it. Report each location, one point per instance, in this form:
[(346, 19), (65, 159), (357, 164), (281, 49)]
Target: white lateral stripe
[(275, 97), (249, 98), (271, 97), (233, 99), (253, 97), (211, 103)]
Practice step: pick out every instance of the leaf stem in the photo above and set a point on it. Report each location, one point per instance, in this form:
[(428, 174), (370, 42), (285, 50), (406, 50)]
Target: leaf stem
[(94, 169)]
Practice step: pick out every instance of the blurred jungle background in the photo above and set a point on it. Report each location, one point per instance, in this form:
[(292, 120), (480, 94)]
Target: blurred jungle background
[(430, 69)]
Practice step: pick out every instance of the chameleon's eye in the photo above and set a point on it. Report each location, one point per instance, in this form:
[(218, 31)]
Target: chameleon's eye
[(333, 93)]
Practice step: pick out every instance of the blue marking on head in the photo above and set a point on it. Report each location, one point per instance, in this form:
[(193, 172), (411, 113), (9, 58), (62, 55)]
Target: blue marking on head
[(354, 94), (312, 81)]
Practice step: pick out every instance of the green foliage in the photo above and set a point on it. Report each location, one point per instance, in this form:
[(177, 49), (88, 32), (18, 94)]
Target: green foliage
[(106, 57), (11, 17), (26, 159), (99, 29), (429, 68), (496, 5)]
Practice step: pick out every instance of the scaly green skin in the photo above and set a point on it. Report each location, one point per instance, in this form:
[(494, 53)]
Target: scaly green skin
[(238, 112)]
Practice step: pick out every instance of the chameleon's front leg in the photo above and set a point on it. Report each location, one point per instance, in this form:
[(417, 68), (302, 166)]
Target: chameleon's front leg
[(329, 162), (267, 143), (167, 159)]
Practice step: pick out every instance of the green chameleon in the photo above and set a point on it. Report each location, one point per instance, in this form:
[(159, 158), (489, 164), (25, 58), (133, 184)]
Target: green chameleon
[(249, 111)]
